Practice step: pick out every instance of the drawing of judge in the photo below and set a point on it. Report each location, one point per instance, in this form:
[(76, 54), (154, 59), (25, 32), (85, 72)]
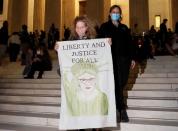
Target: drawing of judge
[(83, 96)]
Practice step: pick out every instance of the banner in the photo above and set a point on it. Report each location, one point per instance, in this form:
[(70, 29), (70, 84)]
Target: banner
[(87, 84)]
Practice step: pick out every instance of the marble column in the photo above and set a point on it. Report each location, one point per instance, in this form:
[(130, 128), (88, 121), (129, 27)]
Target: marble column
[(5, 9), (174, 12), (39, 15), (107, 5), (17, 14), (30, 15), (52, 13)]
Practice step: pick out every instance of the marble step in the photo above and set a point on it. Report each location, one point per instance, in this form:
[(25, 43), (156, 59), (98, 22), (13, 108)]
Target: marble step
[(148, 67), (165, 102), (153, 70), (51, 120), (15, 91), (153, 80), (30, 85), (146, 70), (153, 115), (30, 108), (19, 127), (30, 99), (50, 76), (19, 76), (55, 108), (151, 94), (46, 120), (57, 81), (57, 93), (28, 81), (154, 75), (129, 86), (17, 86), (133, 125), (152, 86), (152, 103), (148, 125), (159, 65)]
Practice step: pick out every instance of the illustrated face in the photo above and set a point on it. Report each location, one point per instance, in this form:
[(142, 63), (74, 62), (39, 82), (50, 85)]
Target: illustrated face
[(81, 29), (87, 82)]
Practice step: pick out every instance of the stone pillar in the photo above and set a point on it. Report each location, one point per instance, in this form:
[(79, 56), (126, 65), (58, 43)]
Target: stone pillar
[(39, 15), (5, 9), (4, 15), (17, 14), (69, 12), (30, 15), (107, 5), (139, 14), (52, 13), (174, 12)]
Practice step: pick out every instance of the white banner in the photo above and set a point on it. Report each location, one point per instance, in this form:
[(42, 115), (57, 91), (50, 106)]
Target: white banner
[(87, 84)]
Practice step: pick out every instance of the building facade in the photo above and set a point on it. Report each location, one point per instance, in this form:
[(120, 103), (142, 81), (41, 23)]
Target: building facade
[(40, 14)]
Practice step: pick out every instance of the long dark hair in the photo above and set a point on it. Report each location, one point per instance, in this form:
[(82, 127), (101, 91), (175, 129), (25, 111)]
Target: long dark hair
[(113, 7)]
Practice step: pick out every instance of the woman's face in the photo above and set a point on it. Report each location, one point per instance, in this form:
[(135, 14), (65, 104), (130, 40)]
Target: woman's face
[(115, 10), (81, 29), (115, 14), (87, 82)]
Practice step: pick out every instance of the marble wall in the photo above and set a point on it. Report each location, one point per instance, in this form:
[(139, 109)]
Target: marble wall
[(162, 8)]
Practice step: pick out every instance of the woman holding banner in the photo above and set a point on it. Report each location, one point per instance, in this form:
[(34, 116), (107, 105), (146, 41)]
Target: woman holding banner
[(122, 54), (85, 99)]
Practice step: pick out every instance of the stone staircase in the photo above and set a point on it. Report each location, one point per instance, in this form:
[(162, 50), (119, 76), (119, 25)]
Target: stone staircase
[(34, 104)]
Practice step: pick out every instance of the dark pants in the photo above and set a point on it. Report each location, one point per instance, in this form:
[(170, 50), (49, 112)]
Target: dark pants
[(36, 66), (14, 51), (121, 73)]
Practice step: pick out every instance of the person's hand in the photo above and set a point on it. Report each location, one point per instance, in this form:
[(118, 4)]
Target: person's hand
[(56, 47), (133, 63), (109, 41)]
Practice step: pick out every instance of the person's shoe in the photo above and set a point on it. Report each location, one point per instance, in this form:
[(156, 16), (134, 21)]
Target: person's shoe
[(176, 56), (59, 72), (123, 116), (28, 77), (39, 77)]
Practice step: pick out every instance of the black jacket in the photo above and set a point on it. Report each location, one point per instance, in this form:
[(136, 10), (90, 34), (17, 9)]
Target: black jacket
[(121, 39)]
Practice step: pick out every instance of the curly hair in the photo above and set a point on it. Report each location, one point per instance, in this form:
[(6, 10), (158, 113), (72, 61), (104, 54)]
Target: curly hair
[(90, 33)]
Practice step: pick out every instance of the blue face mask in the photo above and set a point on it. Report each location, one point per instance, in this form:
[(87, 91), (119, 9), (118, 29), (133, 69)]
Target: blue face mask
[(115, 16)]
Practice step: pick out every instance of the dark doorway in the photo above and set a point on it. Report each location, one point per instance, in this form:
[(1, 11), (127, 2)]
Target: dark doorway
[(82, 7), (1, 6)]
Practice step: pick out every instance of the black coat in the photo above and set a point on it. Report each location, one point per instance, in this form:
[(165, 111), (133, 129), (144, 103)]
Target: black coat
[(121, 39)]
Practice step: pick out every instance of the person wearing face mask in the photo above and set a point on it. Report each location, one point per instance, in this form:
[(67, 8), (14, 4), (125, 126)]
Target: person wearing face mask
[(122, 54), (82, 29)]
